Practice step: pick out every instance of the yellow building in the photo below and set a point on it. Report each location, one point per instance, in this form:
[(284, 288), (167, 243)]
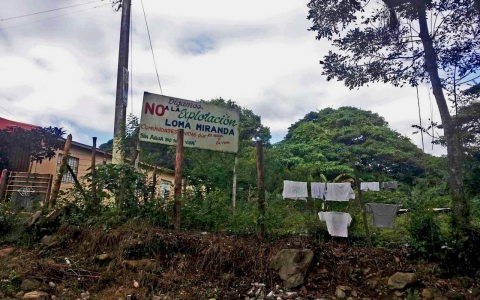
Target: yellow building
[(80, 158)]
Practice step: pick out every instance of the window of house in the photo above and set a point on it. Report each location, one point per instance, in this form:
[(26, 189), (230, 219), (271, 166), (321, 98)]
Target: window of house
[(73, 163), (165, 189)]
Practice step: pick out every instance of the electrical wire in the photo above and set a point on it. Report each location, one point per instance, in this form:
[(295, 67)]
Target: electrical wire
[(151, 47), (431, 115), (418, 97), (59, 16), (46, 11), (420, 117), (9, 112)]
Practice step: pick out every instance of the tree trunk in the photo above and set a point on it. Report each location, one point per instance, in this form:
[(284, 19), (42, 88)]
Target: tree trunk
[(461, 214)]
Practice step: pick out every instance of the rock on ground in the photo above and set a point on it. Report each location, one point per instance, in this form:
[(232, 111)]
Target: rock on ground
[(48, 240), (292, 265), (142, 264), (30, 284), (6, 251), (431, 293), (36, 295), (399, 280), (340, 294)]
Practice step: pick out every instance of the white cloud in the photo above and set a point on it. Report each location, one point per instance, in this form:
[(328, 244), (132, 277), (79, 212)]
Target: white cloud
[(258, 53)]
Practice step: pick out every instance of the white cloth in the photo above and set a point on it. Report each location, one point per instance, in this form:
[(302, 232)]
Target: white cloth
[(370, 186), (337, 222), (339, 192), (295, 190), (318, 190)]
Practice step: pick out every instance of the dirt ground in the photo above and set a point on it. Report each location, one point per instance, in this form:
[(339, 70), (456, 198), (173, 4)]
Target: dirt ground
[(141, 262)]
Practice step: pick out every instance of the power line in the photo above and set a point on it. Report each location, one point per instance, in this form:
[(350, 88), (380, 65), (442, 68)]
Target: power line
[(46, 11), (431, 115), (420, 117), (418, 97), (151, 47), (9, 112), (59, 16)]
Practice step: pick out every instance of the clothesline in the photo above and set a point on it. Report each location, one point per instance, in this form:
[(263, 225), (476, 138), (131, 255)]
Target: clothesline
[(330, 191), (384, 215), (439, 210)]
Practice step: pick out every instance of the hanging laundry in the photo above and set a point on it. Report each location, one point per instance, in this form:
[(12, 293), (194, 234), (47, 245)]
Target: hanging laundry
[(318, 190), (370, 186), (295, 190), (390, 185), (339, 192), (384, 215), (337, 222)]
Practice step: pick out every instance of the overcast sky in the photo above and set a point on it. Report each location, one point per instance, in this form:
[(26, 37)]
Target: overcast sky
[(62, 71)]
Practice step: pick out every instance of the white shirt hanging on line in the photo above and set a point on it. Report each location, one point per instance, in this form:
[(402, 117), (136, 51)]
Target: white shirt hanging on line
[(295, 190), (370, 186), (318, 190), (339, 192), (337, 222)]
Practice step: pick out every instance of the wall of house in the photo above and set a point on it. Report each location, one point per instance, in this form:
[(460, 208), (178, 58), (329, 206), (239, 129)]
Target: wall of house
[(84, 162)]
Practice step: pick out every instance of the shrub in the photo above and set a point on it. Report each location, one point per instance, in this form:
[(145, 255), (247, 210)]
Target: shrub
[(425, 235)]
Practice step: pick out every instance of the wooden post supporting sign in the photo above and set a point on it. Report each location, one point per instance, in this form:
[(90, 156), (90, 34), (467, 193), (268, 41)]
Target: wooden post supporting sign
[(61, 171), (177, 210), (261, 189), (360, 201)]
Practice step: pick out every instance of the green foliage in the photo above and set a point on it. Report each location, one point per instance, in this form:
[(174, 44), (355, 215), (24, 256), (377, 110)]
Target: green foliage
[(7, 219), (40, 143), (111, 180), (210, 213), (381, 42), (413, 295), (320, 144), (425, 236)]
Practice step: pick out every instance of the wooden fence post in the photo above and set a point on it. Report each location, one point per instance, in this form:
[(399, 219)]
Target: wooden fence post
[(234, 188), (94, 171), (177, 209), (3, 183), (360, 201), (261, 189), (61, 171), (154, 183)]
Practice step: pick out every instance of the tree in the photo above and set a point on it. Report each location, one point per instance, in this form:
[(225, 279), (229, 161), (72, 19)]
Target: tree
[(39, 143), (407, 42), (321, 143)]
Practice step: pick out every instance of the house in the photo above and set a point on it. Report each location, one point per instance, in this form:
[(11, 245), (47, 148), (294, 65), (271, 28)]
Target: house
[(80, 157), (80, 160), (19, 159)]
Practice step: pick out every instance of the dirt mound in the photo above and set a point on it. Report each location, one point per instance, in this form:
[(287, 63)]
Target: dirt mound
[(144, 262)]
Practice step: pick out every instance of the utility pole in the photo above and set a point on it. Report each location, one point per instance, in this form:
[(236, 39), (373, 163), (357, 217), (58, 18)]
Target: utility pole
[(120, 103)]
